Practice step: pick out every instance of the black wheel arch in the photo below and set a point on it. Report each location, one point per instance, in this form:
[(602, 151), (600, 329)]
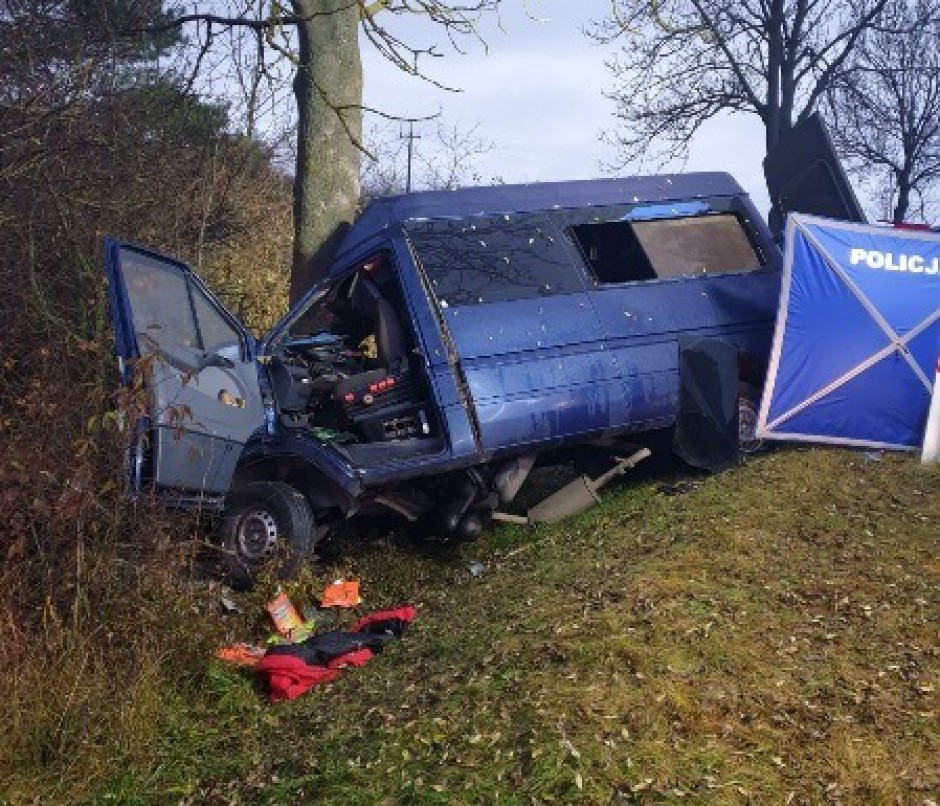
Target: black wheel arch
[(751, 369), (323, 494)]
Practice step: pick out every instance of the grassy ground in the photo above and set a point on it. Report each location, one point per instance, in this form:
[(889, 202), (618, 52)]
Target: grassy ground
[(769, 635)]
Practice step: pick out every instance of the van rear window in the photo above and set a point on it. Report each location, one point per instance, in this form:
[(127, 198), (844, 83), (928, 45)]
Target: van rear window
[(630, 251), (494, 258)]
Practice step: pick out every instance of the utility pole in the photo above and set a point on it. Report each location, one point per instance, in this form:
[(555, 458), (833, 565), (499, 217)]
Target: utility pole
[(411, 141), (411, 148)]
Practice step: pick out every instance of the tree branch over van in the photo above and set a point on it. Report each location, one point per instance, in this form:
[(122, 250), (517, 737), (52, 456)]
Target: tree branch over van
[(321, 40), (886, 113), (685, 61)]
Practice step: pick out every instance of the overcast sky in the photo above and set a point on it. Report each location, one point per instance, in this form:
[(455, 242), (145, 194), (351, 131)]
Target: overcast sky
[(536, 92)]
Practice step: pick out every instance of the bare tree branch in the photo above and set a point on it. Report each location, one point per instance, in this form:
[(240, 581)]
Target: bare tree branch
[(885, 110), (685, 61)]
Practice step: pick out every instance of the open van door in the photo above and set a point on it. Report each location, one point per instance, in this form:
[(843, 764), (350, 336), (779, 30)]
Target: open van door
[(804, 175), (194, 365)]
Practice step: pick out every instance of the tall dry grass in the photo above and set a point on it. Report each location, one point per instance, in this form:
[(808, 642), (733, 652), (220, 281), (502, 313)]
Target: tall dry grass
[(98, 606), (102, 624)]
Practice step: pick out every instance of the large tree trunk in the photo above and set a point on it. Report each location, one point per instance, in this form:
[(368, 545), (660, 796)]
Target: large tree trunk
[(328, 89), (904, 197), (775, 58)]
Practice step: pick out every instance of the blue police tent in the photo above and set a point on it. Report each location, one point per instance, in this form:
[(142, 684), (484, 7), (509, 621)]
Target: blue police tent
[(857, 335)]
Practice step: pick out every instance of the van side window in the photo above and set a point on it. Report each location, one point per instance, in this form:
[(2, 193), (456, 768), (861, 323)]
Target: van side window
[(494, 258), (170, 309), (217, 334), (159, 297), (631, 251)]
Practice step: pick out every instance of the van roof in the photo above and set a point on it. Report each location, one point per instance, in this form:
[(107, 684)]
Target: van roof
[(392, 211)]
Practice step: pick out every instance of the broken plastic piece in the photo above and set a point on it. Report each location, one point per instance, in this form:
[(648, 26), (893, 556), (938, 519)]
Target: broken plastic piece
[(229, 605), (341, 594), (241, 654)]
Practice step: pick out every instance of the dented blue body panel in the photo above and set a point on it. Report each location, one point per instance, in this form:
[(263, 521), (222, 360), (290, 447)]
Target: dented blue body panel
[(541, 315), (597, 359)]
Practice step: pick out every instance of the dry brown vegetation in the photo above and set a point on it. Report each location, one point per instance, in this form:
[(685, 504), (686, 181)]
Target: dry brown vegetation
[(769, 637), (97, 622)]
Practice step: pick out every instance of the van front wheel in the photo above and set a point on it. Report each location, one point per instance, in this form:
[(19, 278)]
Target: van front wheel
[(264, 522)]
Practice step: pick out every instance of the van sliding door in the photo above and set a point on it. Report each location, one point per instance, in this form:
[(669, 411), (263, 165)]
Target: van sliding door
[(528, 341)]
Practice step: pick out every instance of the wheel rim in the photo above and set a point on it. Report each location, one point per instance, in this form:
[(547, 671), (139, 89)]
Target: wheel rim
[(748, 441), (257, 535)]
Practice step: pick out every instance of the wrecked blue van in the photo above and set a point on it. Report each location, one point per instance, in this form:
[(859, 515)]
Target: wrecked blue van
[(459, 337)]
